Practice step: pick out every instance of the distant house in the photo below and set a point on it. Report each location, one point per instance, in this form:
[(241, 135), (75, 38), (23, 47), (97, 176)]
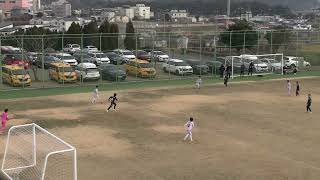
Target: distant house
[(58, 24), (7, 28)]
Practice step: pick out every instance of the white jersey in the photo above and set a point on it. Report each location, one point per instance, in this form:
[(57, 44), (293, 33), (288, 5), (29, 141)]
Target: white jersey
[(189, 125), (95, 91), (199, 81), (289, 85)]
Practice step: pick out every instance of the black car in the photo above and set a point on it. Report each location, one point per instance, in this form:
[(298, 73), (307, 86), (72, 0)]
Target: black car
[(198, 67), (214, 66), (112, 72), (82, 57), (142, 55), (115, 58), (47, 60)]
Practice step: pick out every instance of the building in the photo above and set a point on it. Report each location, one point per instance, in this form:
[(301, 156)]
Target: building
[(178, 14), (7, 5), (61, 8), (58, 24), (142, 12), (127, 11), (36, 5), (246, 16)]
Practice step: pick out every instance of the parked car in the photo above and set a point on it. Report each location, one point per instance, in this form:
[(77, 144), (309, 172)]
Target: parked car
[(159, 56), (62, 72), (125, 54), (260, 67), (273, 65), (115, 58), (99, 58), (47, 60), (112, 72), (87, 71), (215, 65), (296, 61), (32, 57), (142, 55), (90, 49), (72, 48), (140, 68), (17, 59), (82, 57), (178, 67), (67, 58), (15, 76), (198, 67)]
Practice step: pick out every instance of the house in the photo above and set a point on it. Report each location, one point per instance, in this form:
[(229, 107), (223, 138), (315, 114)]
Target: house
[(178, 14), (65, 23)]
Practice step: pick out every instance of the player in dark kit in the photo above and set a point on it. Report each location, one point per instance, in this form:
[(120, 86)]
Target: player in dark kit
[(298, 89), (112, 99), (309, 102), (226, 79)]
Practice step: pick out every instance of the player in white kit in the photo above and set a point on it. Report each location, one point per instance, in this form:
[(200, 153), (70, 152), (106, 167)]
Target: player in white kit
[(189, 125), (289, 87), (198, 82), (95, 95)]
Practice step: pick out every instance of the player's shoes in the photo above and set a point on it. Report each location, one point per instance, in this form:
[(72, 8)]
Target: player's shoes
[(107, 110)]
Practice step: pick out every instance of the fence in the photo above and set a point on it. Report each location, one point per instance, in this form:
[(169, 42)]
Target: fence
[(203, 51)]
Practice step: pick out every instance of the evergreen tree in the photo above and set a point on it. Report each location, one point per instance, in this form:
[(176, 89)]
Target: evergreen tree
[(105, 37), (114, 40), (90, 34), (130, 39), (73, 35)]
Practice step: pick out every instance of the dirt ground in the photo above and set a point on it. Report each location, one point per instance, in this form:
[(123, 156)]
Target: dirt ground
[(248, 131)]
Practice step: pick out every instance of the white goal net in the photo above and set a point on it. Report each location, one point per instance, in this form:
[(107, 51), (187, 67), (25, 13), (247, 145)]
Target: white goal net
[(33, 153), (261, 64)]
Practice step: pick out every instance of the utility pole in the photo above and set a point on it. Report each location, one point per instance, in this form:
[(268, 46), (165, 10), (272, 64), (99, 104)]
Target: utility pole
[(228, 12)]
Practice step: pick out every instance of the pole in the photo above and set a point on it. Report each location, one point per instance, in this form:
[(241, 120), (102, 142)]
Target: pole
[(200, 53), (42, 61), (271, 49), (1, 82)]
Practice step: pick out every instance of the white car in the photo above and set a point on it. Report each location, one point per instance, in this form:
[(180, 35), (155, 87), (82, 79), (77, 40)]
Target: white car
[(292, 61), (72, 48), (67, 58), (273, 64), (90, 49), (99, 58), (260, 67), (87, 71), (177, 66), (160, 56), (126, 54)]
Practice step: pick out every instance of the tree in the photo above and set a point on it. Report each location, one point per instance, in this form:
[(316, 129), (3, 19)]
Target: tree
[(73, 35), (242, 36), (130, 39), (40, 14), (278, 37), (90, 30), (114, 40), (105, 30)]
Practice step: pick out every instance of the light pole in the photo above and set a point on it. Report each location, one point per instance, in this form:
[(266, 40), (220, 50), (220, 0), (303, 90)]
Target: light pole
[(228, 12)]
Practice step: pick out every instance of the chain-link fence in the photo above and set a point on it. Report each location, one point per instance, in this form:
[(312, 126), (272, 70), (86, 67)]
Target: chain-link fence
[(55, 60)]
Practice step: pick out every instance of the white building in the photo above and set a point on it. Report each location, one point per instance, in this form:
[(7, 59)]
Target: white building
[(128, 11), (246, 16), (36, 5), (179, 14), (59, 24), (61, 8), (142, 12)]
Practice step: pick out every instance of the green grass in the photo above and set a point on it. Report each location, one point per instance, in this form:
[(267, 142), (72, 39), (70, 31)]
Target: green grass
[(135, 85)]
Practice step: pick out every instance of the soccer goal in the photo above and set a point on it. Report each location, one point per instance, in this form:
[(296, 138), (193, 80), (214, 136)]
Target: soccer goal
[(262, 64), (33, 153)]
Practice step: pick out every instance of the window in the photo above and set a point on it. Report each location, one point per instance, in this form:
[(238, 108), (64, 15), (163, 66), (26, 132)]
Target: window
[(12, 2), (2, 2)]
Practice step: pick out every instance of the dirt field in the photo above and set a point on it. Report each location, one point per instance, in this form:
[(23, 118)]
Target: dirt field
[(250, 131)]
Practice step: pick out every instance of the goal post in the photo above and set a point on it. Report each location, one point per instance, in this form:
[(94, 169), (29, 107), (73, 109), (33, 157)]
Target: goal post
[(262, 64), (33, 153)]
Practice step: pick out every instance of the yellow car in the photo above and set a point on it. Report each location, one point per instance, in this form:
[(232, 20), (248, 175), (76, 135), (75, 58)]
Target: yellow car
[(140, 68), (62, 72), (15, 75)]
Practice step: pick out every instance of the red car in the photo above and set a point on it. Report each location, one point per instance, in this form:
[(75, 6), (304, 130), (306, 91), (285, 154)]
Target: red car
[(16, 59)]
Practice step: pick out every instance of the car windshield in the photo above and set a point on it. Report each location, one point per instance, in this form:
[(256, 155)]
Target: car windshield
[(19, 72), (65, 69), (181, 64), (75, 46), (159, 53), (92, 70), (110, 67), (145, 65), (112, 55), (142, 53), (66, 57), (127, 53), (19, 56), (50, 58), (100, 55)]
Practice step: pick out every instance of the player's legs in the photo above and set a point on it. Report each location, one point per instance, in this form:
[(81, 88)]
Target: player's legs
[(94, 99), (289, 92), (190, 135), (114, 105), (187, 135), (109, 107)]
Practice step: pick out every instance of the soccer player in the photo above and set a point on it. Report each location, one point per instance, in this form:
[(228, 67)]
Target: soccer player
[(226, 79), (189, 125), (222, 69), (298, 89), (95, 95), (242, 68), (4, 119), (112, 99), (309, 103), (198, 82), (289, 87), (251, 66)]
